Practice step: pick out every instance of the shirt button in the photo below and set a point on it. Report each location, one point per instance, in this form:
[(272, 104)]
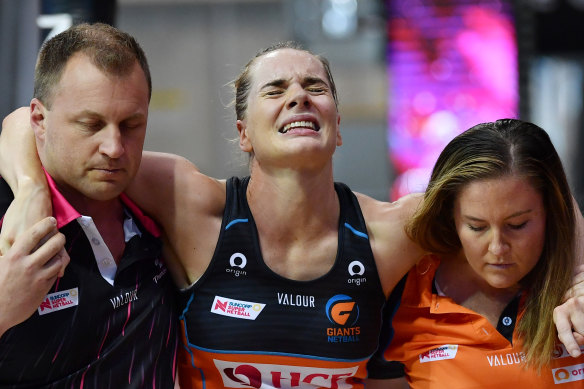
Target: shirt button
[(507, 321)]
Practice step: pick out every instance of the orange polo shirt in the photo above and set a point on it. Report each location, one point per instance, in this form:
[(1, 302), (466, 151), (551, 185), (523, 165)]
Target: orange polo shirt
[(445, 345)]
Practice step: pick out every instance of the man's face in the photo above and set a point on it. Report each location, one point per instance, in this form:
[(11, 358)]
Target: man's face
[(90, 140)]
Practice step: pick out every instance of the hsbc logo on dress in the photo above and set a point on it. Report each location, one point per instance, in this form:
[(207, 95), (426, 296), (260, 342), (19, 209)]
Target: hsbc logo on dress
[(259, 375)]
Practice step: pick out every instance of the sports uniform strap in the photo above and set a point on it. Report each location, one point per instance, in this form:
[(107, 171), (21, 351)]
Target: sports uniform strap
[(351, 216), (236, 209)]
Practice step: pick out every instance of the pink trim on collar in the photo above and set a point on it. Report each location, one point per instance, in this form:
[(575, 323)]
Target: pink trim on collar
[(147, 222), (65, 213), (62, 210)]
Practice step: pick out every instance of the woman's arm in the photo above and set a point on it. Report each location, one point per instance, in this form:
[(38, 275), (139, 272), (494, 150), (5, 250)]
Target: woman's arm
[(569, 317), (21, 169)]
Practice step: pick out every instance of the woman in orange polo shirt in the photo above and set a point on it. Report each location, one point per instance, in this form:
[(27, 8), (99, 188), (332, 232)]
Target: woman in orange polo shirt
[(499, 215)]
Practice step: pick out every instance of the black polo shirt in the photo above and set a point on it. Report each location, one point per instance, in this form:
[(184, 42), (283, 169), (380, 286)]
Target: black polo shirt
[(90, 333)]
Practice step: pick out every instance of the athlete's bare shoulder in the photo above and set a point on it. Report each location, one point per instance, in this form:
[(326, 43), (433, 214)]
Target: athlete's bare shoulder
[(393, 250), (187, 204), (376, 211), (197, 192)]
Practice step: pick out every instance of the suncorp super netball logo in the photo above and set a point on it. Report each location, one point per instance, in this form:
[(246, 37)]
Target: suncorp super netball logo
[(343, 312)]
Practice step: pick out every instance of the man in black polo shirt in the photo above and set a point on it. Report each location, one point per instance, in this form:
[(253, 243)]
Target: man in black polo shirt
[(109, 320)]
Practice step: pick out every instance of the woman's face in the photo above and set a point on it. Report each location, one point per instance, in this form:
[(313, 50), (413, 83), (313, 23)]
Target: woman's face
[(291, 117), (501, 225)]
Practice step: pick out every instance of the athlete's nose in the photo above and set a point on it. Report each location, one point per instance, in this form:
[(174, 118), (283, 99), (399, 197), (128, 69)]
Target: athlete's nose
[(298, 96)]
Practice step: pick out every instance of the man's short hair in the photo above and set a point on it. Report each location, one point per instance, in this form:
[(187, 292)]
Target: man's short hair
[(111, 50)]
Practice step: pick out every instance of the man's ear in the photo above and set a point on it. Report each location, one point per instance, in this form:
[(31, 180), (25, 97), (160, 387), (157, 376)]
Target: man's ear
[(38, 118), (244, 141)]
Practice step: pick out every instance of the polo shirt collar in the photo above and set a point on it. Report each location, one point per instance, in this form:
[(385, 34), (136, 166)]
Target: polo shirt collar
[(65, 213)]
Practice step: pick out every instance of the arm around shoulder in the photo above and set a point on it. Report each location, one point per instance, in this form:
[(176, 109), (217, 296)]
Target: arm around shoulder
[(395, 253), (187, 204), (167, 185), (21, 169), (19, 161)]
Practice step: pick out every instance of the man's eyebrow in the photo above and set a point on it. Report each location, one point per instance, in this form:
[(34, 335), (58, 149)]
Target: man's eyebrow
[(88, 114), (94, 115)]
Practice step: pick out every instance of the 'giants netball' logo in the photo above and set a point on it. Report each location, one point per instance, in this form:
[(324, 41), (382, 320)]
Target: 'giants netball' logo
[(343, 311), (259, 375)]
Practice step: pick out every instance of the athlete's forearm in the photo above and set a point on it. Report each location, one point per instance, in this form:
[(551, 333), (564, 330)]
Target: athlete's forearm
[(21, 168), (19, 162)]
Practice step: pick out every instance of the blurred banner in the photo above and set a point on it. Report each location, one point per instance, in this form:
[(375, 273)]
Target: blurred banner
[(451, 64)]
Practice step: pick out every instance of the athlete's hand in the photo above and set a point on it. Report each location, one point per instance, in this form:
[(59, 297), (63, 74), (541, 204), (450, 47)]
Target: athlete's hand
[(569, 317), (28, 270), (31, 204)]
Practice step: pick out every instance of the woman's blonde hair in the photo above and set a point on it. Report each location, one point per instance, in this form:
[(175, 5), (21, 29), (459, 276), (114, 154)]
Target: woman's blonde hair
[(493, 150)]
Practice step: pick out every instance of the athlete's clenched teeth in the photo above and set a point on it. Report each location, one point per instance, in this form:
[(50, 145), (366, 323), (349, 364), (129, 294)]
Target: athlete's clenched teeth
[(302, 124)]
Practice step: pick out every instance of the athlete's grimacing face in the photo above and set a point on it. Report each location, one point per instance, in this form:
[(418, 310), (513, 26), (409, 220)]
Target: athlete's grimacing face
[(291, 110), (91, 138), (501, 225)]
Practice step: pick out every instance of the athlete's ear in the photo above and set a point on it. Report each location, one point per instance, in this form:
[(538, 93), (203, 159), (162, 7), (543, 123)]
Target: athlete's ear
[(339, 137), (244, 140)]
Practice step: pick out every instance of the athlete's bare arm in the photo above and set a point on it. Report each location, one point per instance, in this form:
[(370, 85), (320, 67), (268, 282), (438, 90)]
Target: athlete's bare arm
[(189, 207), (393, 250), (21, 168)]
